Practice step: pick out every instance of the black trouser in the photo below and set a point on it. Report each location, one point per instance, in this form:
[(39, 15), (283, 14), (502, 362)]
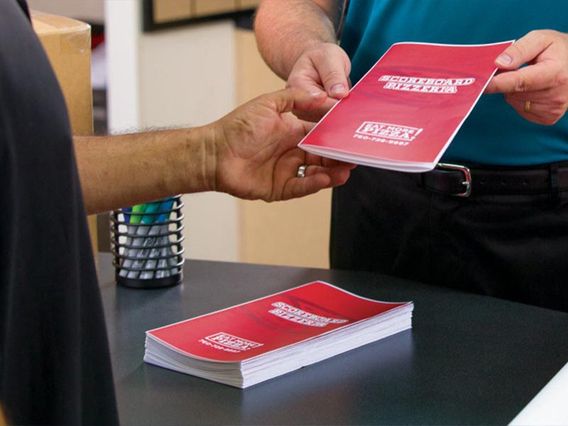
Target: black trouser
[(507, 245)]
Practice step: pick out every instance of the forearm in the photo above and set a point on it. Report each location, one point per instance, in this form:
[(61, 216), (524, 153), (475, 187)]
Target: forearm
[(122, 170), (285, 29)]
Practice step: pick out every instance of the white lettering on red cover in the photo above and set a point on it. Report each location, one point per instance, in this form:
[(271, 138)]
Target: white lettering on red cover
[(394, 134), (424, 84), (229, 343), (299, 316)]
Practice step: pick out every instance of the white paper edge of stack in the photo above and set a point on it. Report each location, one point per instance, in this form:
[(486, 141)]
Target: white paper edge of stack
[(304, 353)]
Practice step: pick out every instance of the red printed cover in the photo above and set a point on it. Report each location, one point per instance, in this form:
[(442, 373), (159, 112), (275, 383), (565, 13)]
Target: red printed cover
[(405, 111), (254, 328)]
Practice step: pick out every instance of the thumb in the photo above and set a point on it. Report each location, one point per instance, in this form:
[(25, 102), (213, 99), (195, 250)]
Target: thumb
[(289, 99), (522, 51), (334, 71)]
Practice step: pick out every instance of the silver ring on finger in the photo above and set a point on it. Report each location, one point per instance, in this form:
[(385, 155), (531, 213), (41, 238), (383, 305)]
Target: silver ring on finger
[(301, 173)]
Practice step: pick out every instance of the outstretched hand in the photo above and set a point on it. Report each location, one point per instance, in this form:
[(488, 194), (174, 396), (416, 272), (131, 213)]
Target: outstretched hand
[(322, 70), (538, 91), (257, 155)]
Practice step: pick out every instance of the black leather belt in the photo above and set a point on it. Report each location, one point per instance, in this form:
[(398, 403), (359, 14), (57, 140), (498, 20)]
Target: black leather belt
[(462, 181)]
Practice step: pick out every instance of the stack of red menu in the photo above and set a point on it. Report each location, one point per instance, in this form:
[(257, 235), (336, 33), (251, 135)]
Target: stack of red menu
[(403, 114), (246, 344)]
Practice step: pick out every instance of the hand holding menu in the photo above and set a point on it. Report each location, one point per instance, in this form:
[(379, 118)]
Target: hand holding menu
[(246, 344), (403, 114)]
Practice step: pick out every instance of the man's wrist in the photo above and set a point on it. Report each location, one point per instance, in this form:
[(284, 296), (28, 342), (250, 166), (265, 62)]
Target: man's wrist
[(198, 159), (209, 140)]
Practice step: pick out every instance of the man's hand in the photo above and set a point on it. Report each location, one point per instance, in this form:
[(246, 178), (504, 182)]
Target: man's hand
[(256, 153), (538, 91), (322, 70)]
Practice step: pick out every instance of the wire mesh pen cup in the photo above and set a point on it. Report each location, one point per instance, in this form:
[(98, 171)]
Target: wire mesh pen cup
[(146, 242)]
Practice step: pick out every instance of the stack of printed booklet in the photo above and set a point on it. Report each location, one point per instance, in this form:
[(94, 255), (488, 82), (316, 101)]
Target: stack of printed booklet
[(246, 344)]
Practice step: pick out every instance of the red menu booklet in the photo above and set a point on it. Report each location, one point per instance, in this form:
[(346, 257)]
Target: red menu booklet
[(258, 340), (403, 114)]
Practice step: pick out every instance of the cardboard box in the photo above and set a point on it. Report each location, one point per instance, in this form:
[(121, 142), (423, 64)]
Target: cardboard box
[(67, 43)]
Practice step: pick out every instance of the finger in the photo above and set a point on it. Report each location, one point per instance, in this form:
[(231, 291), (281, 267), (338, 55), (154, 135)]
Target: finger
[(317, 160), (315, 114), (313, 159), (531, 78), (550, 96), (334, 71), (316, 181), (523, 50), (308, 125), (286, 100), (328, 162), (300, 187), (308, 83), (337, 171), (539, 107), (531, 114)]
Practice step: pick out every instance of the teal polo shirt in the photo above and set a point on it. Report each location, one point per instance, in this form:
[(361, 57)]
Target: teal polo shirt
[(494, 134)]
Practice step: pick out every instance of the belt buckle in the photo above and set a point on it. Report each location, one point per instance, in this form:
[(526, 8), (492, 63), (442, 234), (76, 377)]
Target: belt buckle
[(466, 174)]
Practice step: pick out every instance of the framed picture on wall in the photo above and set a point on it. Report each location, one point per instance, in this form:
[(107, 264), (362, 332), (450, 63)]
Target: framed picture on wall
[(160, 14)]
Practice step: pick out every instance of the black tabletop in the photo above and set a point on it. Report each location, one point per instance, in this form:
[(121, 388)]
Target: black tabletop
[(469, 359)]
